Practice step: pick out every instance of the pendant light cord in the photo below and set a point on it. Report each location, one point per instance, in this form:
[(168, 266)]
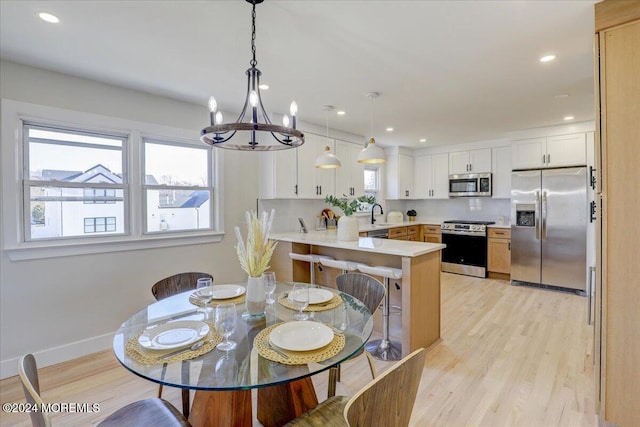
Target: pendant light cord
[(253, 61)]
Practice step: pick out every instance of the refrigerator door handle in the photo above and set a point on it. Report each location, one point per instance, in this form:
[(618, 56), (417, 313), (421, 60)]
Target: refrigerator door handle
[(537, 215), (544, 215)]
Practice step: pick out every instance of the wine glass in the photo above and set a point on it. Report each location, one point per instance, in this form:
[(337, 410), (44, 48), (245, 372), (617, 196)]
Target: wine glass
[(226, 320), (269, 285), (204, 294), (300, 298)]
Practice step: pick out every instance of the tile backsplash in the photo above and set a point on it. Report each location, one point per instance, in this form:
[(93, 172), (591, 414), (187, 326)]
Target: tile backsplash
[(486, 209)]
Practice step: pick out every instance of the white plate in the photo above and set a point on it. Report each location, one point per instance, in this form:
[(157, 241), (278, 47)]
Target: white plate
[(301, 336), (316, 296), (173, 335), (224, 291)]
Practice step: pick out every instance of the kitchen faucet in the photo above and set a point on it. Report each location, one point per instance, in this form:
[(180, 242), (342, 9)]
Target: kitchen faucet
[(373, 208)]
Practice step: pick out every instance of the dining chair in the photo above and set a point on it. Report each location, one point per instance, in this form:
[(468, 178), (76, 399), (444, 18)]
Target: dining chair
[(386, 401), (149, 412), (170, 286), (371, 292)]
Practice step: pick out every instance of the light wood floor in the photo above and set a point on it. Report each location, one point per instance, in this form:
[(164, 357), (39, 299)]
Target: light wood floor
[(509, 356)]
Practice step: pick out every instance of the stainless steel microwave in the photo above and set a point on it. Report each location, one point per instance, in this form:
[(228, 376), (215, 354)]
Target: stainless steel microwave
[(470, 185)]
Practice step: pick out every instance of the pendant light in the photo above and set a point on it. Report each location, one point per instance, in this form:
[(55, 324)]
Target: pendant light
[(372, 154), (328, 160), (220, 134)]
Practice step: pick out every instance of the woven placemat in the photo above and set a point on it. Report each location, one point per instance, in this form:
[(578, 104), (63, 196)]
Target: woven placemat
[(329, 305), (261, 343), (237, 300), (134, 350)]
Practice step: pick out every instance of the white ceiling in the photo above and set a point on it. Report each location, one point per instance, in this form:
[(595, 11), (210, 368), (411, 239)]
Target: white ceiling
[(448, 71)]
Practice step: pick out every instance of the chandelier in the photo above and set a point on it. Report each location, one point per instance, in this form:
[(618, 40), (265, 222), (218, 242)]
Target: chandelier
[(253, 118)]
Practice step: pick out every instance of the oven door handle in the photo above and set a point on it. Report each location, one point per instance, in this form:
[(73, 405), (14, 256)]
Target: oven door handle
[(465, 233)]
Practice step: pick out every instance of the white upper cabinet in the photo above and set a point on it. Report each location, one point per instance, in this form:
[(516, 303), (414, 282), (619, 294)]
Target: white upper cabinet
[(473, 161), (349, 177), (399, 172), (501, 170), (550, 152), (431, 176), (314, 183), (291, 174)]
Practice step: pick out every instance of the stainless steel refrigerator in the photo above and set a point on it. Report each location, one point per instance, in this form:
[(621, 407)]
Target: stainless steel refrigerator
[(549, 215)]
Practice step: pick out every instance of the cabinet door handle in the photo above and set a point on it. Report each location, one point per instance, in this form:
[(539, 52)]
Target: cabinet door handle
[(509, 245), (548, 159), (321, 190), (543, 159), (295, 189)]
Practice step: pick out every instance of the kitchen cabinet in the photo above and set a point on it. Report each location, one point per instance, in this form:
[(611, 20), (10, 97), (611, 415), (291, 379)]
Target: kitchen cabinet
[(399, 171), (350, 176), (432, 233), (431, 176), (398, 233), (499, 252), (617, 322), (414, 233), (473, 161), (501, 170), (550, 152), (291, 174), (314, 183)]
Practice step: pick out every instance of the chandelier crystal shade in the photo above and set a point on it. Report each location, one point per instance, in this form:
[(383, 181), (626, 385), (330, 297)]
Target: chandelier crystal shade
[(253, 119)]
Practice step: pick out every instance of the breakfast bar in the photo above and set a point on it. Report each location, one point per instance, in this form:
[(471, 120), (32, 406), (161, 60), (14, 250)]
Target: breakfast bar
[(417, 295)]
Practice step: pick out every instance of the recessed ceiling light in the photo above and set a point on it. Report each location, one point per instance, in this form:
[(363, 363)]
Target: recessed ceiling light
[(263, 87), (389, 129), (341, 113), (423, 139), (49, 17), (569, 118), (547, 58), (561, 96)]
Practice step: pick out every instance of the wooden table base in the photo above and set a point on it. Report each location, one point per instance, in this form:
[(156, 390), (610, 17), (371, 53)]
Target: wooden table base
[(277, 405), (221, 408)]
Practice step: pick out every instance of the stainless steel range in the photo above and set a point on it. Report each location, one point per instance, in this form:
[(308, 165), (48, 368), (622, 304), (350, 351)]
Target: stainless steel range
[(466, 251)]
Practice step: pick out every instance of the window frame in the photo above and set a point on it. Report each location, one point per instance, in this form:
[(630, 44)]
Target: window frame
[(146, 187), (28, 183), (14, 113)]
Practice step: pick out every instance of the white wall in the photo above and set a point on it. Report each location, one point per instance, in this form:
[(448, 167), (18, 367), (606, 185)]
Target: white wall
[(64, 307)]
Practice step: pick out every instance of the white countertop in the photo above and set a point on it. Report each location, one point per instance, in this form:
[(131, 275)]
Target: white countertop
[(499, 226), (329, 239), (380, 225)]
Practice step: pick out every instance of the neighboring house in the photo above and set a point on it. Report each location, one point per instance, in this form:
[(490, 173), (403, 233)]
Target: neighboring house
[(68, 212)]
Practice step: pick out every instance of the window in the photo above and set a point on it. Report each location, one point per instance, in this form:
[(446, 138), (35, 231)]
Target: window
[(90, 183), (100, 225), (70, 175), (371, 181), (178, 187)]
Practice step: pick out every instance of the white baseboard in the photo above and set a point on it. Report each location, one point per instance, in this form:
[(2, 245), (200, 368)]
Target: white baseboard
[(51, 356)]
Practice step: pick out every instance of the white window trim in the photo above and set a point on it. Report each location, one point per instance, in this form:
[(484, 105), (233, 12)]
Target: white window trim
[(13, 114)]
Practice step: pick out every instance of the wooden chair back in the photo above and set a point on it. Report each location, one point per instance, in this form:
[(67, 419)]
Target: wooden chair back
[(388, 400), (363, 287), (28, 371), (176, 284)]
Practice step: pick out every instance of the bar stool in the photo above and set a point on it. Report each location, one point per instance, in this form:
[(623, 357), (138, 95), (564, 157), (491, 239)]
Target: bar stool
[(312, 259), (343, 265), (384, 349)]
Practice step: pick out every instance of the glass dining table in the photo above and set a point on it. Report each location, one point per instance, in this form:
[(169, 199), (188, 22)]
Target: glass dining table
[(223, 380)]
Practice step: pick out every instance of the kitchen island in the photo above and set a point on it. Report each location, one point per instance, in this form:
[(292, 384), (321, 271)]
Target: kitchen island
[(417, 293)]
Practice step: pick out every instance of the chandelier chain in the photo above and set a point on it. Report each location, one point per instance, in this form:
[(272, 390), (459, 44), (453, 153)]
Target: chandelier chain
[(253, 61)]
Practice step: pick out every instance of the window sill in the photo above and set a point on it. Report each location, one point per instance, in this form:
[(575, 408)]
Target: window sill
[(39, 250)]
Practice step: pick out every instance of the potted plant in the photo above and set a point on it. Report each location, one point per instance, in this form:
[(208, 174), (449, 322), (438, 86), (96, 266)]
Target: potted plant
[(347, 225), (412, 215)]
